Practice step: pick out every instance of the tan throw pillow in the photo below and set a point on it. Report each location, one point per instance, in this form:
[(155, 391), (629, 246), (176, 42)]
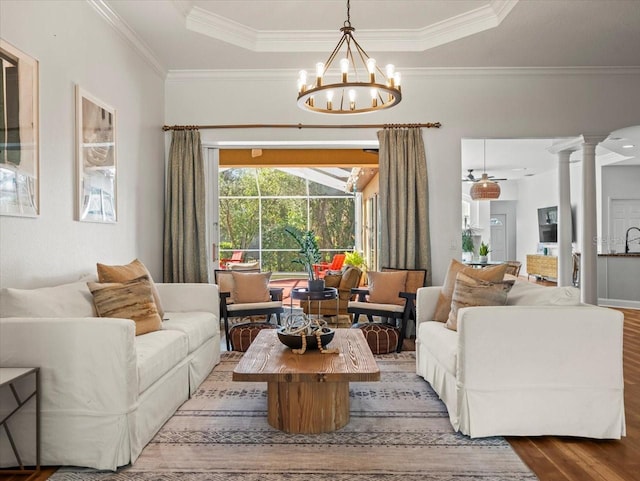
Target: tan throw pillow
[(225, 284), (491, 274), (470, 292), (332, 280), (385, 286), (133, 270), (249, 287), (415, 278), (128, 300)]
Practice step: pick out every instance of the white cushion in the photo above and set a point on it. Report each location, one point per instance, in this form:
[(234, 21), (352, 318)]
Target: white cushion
[(377, 307), (253, 305), (157, 352), (441, 342), (198, 326), (529, 294), (65, 300)]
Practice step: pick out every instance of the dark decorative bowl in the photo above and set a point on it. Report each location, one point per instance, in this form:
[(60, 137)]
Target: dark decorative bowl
[(294, 341)]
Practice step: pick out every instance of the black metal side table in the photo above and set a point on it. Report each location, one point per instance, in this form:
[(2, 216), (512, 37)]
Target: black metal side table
[(302, 293), (8, 377)]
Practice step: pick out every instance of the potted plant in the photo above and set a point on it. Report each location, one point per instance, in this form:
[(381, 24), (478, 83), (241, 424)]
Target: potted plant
[(308, 255), (483, 251), (356, 259), (467, 246)]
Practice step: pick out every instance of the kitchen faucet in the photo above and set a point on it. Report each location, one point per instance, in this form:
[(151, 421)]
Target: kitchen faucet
[(626, 238)]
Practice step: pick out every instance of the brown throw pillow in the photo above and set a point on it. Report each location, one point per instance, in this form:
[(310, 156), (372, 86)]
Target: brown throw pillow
[(332, 280), (491, 274), (469, 292), (128, 300), (385, 286), (249, 287), (226, 284), (133, 270), (415, 278)]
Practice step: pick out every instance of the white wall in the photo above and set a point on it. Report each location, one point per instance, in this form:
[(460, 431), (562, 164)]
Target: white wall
[(469, 103), (74, 45)]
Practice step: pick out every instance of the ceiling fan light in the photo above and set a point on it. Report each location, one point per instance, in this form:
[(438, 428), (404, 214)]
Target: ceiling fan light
[(485, 189)]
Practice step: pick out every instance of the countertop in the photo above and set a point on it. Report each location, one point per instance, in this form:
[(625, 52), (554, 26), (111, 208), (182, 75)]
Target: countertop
[(621, 254)]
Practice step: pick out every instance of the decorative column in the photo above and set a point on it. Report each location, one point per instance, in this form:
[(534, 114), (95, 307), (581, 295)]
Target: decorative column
[(589, 254), (565, 254)]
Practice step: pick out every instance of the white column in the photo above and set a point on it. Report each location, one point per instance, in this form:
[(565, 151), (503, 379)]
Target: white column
[(565, 254), (589, 254)]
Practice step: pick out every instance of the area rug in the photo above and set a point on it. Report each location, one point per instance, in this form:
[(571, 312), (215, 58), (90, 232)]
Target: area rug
[(399, 429)]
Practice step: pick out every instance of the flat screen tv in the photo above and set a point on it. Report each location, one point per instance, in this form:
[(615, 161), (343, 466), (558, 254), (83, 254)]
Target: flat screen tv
[(548, 224)]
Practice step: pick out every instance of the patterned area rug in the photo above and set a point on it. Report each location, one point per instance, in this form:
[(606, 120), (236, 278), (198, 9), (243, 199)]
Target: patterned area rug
[(399, 430)]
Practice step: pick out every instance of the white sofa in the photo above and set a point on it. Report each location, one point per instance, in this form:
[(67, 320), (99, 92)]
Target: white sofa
[(544, 364), (104, 391)]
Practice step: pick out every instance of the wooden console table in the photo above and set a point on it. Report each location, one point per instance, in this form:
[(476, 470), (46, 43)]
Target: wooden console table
[(542, 266)]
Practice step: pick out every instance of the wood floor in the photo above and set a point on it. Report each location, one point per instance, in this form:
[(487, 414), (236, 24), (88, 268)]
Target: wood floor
[(570, 459)]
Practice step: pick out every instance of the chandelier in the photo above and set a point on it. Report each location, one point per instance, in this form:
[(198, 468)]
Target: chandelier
[(484, 189), (361, 87)]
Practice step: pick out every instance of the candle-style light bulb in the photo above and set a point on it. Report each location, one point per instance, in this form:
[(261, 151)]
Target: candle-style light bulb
[(374, 97), (390, 72), (302, 80), (319, 73), (371, 67), (329, 99), (397, 77), (344, 68), (352, 99)]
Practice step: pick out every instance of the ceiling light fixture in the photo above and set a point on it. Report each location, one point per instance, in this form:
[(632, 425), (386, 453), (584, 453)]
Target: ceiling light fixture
[(362, 86), (628, 146), (484, 189)]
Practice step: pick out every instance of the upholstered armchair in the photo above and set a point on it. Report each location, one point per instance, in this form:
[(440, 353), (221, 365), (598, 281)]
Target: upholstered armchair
[(344, 282), (247, 293)]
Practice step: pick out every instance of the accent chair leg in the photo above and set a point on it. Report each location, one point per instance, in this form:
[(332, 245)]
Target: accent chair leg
[(226, 332)]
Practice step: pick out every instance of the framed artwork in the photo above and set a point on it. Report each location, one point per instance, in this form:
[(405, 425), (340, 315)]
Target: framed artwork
[(96, 159), (19, 134)]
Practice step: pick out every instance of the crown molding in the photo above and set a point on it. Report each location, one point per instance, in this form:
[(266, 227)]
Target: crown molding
[(115, 21), (385, 40), (266, 74)]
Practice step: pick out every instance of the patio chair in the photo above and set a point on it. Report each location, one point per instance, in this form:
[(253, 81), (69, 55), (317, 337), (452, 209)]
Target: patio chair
[(235, 257), (389, 296), (323, 268), (240, 297)]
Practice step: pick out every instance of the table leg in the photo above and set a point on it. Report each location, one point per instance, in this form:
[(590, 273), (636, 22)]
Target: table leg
[(308, 407)]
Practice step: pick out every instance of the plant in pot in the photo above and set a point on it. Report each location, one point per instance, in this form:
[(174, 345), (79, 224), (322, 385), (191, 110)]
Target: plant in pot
[(356, 259), (483, 251), (308, 255), (467, 246)]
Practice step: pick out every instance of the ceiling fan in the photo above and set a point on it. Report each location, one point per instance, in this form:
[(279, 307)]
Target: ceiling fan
[(472, 178)]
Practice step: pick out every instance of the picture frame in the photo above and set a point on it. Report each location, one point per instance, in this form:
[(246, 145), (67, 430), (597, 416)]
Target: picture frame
[(19, 133), (96, 159)]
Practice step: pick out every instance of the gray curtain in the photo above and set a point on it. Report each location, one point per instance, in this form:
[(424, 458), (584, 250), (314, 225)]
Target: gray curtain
[(404, 200), (185, 250)]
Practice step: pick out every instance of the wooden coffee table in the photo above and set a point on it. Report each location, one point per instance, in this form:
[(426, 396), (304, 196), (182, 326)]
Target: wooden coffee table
[(308, 393)]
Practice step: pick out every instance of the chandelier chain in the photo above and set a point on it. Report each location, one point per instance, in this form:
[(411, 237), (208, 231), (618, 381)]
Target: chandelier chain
[(347, 23)]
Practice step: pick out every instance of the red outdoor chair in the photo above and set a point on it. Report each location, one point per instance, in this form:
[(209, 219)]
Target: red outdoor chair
[(235, 257), (322, 268)]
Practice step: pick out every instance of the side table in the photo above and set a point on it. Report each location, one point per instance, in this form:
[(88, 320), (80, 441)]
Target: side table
[(302, 293), (8, 377)]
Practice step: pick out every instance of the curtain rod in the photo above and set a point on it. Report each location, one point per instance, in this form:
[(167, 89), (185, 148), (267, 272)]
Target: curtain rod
[(428, 125)]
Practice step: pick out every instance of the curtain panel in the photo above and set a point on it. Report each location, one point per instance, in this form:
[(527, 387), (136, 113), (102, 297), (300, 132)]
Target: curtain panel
[(185, 250), (404, 200)]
